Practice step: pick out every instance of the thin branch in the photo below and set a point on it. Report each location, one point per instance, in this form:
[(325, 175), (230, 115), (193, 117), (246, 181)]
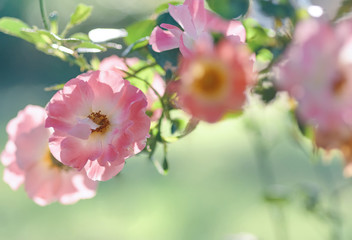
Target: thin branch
[(43, 14)]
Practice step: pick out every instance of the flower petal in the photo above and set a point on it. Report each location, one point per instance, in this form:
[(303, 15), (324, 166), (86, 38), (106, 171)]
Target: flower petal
[(162, 40)]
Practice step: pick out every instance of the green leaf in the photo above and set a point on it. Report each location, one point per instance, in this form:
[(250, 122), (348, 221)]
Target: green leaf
[(257, 36), (143, 42), (80, 36), (280, 10), (54, 87), (163, 7), (33, 36), (81, 14), (139, 30), (166, 18), (147, 75), (166, 58), (345, 7), (229, 9), (264, 55), (14, 27), (266, 90), (89, 45)]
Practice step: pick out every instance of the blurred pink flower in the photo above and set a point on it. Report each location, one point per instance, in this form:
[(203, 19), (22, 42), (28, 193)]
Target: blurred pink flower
[(28, 160), (317, 71), (115, 63), (99, 121), (213, 81), (196, 22)]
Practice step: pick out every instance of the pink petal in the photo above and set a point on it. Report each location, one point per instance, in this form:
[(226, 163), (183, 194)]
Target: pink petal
[(32, 146), (162, 40), (182, 16), (13, 176), (102, 173), (80, 130), (228, 28), (198, 13), (8, 155), (185, 51), (73, 151), (75, 186), (41, 184), (69, 103)]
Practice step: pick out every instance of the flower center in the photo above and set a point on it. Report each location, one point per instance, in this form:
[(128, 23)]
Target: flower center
[(339, 84), (101, 120), (50, 160), (209, 78)]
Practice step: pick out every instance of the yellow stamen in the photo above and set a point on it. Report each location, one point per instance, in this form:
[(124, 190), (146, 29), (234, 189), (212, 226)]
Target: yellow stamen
[(209, 78), (101, 120), (50, 160)]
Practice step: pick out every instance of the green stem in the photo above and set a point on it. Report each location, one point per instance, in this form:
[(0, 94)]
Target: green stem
[(129, 75), (42, 12), (267, 178), (64, 32)]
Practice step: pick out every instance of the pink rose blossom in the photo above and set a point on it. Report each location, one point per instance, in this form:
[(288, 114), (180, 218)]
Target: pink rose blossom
[(99, 121), (317, 71), (28, 160), (115, 63), (213, 81), (197, 23)]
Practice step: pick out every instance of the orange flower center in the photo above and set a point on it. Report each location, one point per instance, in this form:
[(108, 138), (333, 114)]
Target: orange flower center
[(209, 78), (339, 84), (101, 120), (50, 160)]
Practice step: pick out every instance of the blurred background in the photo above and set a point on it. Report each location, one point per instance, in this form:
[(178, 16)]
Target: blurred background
[(214, 186)]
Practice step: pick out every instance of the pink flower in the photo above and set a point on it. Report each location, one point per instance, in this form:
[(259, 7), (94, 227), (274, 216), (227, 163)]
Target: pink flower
[(317, 72), (213, 81), (196, 22), (28, 160), (99, 121), (115, 63)]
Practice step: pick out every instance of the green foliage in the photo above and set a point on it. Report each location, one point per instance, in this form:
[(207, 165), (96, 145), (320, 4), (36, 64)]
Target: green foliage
[(53, 19), (54, 87), (166, 18), (81, 14), (265, 89), (163, 7), (141, 75), (141, 43), (283, 9), (264, 55), (258, 36), (84, 46), (139, 30), (346, 7), (49, 42), (229, 9), (80, 36), (166, 59), (14, 27)]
